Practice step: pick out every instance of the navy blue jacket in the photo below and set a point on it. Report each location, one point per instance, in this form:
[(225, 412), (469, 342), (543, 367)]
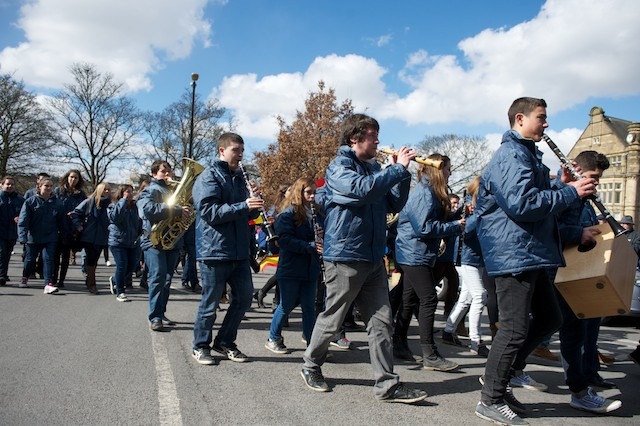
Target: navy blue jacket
[(68, 202), (39, 220), (298, 258), (10, 205), (125, 225), (153, 209), (357, 197), (471, 251), (517, 209), (421, 227), (222, 224), (94, 221)]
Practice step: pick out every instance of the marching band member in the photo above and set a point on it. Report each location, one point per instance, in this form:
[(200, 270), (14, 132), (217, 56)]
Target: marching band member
[(423, 222), (358, 196), (222, 242)]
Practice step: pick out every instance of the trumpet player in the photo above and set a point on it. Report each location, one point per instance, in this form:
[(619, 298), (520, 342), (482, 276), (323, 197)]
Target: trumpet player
[(160, 263), (224, 209)]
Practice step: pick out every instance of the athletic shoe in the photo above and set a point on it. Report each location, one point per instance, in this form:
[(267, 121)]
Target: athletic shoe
[(23, 283), (523, 380), (314, 380), (401, 393), (108, 263), (156, 325), (479, 349), (203, 356), (450, 339), (510, 399), (436, 362), (112, 286), (343, 344), (276, 346), (545, 353), (122, 298), (231, 352), (499, 413), (592, 402), (167, 322), (50, 289)]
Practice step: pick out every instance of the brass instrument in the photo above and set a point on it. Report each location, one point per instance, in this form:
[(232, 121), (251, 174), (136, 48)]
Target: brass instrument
[(267, 226), (617, 229), (165, 234), (392, 218), (438, 164)]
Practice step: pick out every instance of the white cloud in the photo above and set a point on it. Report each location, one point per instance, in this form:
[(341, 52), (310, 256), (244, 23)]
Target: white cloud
[(129, 39)]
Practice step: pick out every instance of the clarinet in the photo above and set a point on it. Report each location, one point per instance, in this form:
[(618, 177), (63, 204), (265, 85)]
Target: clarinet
[(618, 230), (461, 236), (271, 235), (316, 232)]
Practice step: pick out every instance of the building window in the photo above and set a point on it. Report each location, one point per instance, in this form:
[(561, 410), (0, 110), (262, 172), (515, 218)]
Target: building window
[(617, 193), (616, 160)]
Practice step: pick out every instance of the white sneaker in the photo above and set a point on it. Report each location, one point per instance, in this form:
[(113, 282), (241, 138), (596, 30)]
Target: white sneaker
[(108, 263), (50, 289), (122, 298)]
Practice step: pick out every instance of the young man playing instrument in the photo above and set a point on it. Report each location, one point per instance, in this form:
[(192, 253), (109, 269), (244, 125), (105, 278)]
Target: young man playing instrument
[(517, 229), (222, 243), (357, 197)]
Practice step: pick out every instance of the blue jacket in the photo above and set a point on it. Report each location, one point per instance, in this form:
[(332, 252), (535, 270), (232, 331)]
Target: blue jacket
[(222, 225), (517, 209), (471, 251), (572, 221), (298, 258), (125, 224), (356, 200), (94, 221), (10, 205), (421, 227), (39, 220), (153, 209), (68, 202)]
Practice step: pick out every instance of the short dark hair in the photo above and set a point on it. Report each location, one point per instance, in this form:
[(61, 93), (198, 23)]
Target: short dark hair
[(591, 160), (155, 167), (356, 125), (226, 139), (524, 106)]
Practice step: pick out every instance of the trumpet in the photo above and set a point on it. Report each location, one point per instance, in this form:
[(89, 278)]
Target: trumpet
[(617, 229), (438, 164), (268, 228)]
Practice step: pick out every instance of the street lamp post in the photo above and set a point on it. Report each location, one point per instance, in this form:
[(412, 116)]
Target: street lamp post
[(194, 78)]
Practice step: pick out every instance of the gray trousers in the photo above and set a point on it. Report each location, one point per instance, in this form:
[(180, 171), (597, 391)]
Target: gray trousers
[(366, 284)]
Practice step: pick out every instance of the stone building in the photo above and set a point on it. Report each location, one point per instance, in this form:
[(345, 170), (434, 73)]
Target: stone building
[(619, 140)]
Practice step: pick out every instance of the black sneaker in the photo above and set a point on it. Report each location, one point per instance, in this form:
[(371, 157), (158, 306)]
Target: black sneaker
[(499, 413), (314, 380), (276, 346), (450, 339), (438, 363), (510, 399), (203, 356), (401, 393), (156, 325), (167, 322), (231, 352)]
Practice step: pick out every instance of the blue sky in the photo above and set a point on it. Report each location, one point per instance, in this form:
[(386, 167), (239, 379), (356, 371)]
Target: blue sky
[(420, 67)]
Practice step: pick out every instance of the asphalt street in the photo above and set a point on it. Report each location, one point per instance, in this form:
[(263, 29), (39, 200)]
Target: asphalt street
[(77, 359)]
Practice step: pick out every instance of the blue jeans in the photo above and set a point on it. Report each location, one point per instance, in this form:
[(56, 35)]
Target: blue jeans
[(48, 251), (292, 293), (216, 274), (529, 312), (161, 264), (126, 259), (6, 247), (190, 270)]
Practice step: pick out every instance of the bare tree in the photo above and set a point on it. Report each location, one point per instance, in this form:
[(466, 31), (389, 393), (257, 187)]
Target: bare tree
[(97, 123), (170, 130), (25, 127), (306, 147), (469, 155)]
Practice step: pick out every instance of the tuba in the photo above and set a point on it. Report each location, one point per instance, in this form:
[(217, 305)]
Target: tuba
[(166, 233)]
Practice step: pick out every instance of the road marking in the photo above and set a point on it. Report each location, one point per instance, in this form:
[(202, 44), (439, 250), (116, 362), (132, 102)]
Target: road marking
[(168, 402)]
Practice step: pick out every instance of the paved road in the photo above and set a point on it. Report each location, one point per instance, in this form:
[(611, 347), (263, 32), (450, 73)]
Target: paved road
[(77, 359)]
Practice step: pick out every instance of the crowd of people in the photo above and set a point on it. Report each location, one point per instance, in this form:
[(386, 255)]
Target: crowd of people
[(501, 244)]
